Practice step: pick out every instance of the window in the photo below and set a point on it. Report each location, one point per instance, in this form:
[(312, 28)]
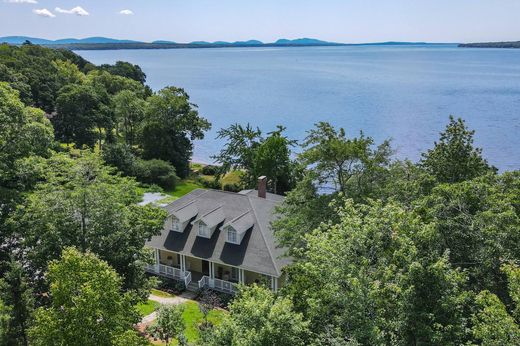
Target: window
[(203, 230), (176, 225), (232, 236)]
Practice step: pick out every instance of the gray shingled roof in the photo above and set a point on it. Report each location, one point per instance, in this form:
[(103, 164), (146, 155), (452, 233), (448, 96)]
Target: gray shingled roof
[(185, 212), (257, 252), (242, 222)]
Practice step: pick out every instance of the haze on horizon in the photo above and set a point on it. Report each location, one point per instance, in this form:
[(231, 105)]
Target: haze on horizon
[(348, 21)]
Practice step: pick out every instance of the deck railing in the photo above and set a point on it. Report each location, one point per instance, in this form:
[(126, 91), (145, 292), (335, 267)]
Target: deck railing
[(170, 272), (218, 284)]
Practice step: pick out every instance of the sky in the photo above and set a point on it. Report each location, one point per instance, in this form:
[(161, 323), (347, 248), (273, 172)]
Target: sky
[(346, 21)]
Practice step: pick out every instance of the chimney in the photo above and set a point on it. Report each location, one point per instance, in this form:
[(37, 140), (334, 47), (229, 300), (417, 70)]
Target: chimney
[(262, 186)]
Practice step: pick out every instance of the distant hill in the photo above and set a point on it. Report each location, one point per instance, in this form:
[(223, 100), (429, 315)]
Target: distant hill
[(88, 40), (303, 42), (514, 44), (105, 43)]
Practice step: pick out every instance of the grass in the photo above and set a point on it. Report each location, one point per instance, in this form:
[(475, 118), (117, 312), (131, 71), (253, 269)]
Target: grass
[(160, 293), (147, 308), (193, 317)]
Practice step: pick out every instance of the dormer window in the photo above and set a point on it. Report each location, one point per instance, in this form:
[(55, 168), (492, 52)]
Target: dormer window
[(232, 236), (203, 230), (176, 225)]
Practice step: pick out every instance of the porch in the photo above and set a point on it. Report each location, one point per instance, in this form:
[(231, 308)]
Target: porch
[(197, 273)]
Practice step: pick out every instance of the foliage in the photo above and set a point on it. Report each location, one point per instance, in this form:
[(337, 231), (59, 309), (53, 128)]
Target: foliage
[(169, 323), (366, 278), (121, 156), (350, 166), (454, 159), (87, 307), (4, 322), (129, 112), (209, 170), (82, 204), (82, 114), (208, 301), (125, 69), (170, 125), (157, 172), (257, 317), (493, 324), (17, 295), (248, 151)]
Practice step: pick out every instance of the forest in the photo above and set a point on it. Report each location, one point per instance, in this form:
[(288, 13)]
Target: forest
[(385, 251)]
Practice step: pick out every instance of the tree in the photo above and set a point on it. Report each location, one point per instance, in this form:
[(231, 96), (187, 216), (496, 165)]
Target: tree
[(350, 166), (87, 306), (125, 69), (239, 151), (208, 302), (16, 293), (169, 323), (170, 125), (272, 159), (477, 223), (24, 133), (248, 151), (4, 322), (83, 204), (81, 111), (68, 72), (454, 158), (129, 112), (258, 317), (493, 323), (366, 278)]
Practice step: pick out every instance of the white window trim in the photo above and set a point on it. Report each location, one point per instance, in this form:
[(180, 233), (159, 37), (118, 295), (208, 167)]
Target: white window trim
[(231, 230), (205, 228), (176, 225)]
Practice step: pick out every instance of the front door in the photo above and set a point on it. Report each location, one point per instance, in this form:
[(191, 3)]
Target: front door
[(205, 267)]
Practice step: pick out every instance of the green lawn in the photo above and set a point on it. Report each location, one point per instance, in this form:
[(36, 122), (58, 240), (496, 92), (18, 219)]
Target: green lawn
[(160, 293), (193, 317), (147, 308)]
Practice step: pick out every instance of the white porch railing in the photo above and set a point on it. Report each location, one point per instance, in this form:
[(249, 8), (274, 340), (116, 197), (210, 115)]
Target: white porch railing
[(170, 272), (219, 285), (187, 278)]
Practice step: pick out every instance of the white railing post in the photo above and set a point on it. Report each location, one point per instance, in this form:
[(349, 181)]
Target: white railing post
[(157, 259)]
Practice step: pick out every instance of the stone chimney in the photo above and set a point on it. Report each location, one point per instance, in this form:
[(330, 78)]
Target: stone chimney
[(262, 186)]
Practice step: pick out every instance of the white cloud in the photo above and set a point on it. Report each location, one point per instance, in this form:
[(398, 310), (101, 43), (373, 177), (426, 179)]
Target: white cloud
[(78, 11), (126, 12), (44, 13), (21, 1)]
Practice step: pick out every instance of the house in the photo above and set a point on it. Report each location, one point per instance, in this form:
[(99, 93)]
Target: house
[(218, 239)]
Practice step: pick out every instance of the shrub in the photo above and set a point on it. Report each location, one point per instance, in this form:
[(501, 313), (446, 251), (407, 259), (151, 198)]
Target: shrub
[(209, 170), (157, 172), (233, 187), (210, 184), (120, 156)]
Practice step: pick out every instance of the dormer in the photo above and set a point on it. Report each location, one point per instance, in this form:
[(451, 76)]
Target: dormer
[(236, 229), (180, 217), (207, 223)]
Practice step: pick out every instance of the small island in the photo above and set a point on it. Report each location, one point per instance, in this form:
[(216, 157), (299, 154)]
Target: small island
[(513, 44)]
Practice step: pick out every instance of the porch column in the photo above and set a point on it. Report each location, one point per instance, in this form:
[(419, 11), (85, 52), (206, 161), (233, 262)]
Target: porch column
[(274, 284), (183, 263), (157, 259), (211, 270), (241, 276)]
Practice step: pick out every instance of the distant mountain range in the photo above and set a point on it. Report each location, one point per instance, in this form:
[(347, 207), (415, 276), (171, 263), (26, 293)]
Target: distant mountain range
[(110, 43)]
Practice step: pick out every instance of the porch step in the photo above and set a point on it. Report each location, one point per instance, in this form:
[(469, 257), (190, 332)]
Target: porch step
[(193, 286)]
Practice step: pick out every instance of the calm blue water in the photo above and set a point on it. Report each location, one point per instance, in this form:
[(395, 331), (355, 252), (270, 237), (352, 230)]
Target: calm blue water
[(404, 93)]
